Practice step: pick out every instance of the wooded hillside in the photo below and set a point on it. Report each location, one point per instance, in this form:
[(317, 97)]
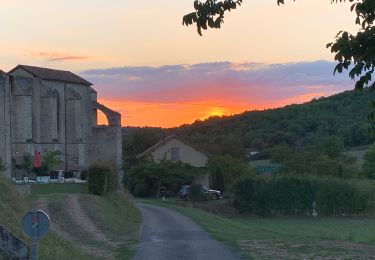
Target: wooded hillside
[(343, 115)]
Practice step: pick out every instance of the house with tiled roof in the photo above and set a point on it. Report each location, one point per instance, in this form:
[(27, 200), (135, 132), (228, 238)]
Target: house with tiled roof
[(174, 148)]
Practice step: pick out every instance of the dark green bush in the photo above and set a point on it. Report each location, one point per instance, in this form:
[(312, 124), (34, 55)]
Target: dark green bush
[(112, 177), (147, 177), (2, 166), (41, 171), (337, 197), (84, 175), (141, 189), (296, 195), (196, 193), (99, 178)]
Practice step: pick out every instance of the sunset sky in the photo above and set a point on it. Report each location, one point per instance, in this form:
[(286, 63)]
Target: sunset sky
[(156, 72)]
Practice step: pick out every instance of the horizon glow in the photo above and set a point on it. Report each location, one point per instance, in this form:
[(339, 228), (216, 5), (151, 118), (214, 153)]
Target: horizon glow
[(82, 36)]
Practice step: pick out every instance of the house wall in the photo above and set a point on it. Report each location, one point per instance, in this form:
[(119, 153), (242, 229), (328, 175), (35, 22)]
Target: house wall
[(187, 153)]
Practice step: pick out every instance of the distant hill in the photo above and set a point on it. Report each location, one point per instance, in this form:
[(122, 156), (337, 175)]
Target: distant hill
[(344, 115)]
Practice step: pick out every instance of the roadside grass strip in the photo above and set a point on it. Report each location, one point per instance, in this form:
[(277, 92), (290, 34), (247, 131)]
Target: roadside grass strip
[(288, 237), (105, 227), (12, 209), (99, 227), (38, 190)]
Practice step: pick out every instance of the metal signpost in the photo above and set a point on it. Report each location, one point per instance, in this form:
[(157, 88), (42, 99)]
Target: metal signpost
[(35, 224)]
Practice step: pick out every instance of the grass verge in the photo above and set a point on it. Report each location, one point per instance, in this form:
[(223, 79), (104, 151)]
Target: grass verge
[(38, 190), (111, 217), (289, 238), (118, 218), (12, 209)]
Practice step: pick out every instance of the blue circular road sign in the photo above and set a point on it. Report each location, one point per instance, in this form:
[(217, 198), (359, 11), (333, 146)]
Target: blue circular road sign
[(35, 224)]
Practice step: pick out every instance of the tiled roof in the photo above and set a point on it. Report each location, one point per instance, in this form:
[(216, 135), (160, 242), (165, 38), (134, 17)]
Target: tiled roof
[(51, 74)]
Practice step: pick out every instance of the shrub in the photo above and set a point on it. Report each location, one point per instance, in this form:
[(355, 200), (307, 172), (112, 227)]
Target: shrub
[(369, 163), (84, 175), (225, 170), (337, 197), (2, 165), (296, 195), (27, 162), (244, 194), (99, 178), (146, 178), (41, 171), (141, 189), (196, 194), (51, 159), (112, 175)]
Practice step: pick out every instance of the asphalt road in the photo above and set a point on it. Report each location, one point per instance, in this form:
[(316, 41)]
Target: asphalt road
[(168, 235)]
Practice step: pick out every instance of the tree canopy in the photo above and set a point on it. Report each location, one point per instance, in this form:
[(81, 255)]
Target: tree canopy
[(353, 52)]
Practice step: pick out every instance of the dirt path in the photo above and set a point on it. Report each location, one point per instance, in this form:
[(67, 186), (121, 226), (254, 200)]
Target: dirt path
[(81, 218)]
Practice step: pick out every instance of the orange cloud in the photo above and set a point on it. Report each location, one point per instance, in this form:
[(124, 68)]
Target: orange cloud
[(298, 99), (54, 56), (168, 114)]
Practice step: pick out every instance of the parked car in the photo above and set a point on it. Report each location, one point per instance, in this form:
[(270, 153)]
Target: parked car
[(213, 194)]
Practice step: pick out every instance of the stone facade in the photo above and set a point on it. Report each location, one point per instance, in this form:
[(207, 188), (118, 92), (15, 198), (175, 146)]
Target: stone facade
[(48, 110)]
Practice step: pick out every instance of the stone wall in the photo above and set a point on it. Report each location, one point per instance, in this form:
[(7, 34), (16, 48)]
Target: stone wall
[(49, 115), (5, 135), (108, 146), (108, 139), (22, 116), (2, 117), (12, 247)]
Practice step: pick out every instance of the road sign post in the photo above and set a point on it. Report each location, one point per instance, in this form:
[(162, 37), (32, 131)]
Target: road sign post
[(35, 225)]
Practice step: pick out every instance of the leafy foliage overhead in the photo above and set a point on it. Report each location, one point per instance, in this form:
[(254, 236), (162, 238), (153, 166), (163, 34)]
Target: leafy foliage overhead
[(353, 52), (209, 14)]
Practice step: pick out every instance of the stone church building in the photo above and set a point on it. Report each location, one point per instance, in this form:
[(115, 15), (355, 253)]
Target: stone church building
[(47, 110)]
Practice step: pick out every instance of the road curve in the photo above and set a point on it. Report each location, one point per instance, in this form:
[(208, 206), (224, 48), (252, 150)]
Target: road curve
[(169, 235)]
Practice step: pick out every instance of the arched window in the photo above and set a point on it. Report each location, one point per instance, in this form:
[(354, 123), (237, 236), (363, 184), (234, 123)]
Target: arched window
[(101, 118)]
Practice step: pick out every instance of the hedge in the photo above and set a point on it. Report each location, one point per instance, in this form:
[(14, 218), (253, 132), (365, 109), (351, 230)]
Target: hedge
[(101, 178), (296, 195)]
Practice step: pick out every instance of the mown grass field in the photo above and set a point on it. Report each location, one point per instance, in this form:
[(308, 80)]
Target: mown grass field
[(358, 153), (83, 226), (289, 238)]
